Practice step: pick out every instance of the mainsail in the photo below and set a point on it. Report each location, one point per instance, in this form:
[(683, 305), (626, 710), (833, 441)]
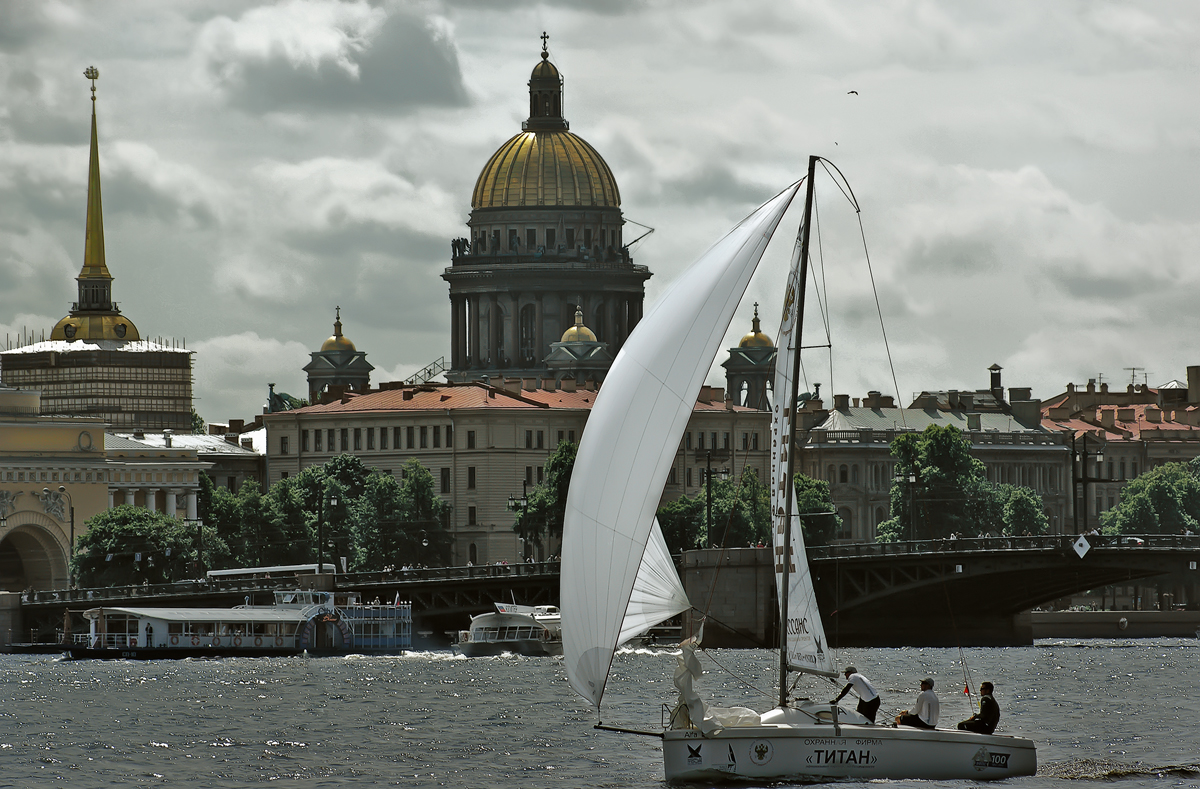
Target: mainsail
[(806, 648), (631, 439)]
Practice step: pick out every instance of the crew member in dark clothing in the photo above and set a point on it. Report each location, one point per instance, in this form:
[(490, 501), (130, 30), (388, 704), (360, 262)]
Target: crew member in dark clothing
[(983, 722)]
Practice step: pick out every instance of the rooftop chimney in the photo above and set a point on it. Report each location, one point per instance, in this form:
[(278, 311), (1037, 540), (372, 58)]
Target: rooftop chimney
[(1193, 376), (167, 438), (1108, 417), (247, 443), (997, 388), (236, 425), (841, 401)]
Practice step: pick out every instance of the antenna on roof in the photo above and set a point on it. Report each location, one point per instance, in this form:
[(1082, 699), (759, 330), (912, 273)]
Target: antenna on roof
[(1133, 372)]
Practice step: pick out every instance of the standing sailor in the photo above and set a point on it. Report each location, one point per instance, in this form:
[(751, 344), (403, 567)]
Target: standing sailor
[(868, 699)]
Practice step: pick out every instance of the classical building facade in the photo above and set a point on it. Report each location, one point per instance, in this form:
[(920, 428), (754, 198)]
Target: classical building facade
[(546, 240), (750, 369), (485, 443), (96, 362)]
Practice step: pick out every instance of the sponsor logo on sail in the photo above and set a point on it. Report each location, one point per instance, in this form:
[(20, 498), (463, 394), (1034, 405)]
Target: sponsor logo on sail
[(985, 759), (848, 756), (761, 752), (694, 754)]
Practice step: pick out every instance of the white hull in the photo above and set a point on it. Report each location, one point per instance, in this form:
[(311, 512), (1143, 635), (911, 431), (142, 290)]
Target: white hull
[(857, 752)]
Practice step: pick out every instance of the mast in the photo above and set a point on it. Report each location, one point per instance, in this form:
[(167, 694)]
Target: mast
[(805, 226)]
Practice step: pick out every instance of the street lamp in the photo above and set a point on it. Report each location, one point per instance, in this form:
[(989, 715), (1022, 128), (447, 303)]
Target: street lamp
[(520, 505), (1083, 478), (321, 528)]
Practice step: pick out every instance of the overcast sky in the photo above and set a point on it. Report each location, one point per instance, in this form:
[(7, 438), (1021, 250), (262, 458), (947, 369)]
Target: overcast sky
[(1027, 171)]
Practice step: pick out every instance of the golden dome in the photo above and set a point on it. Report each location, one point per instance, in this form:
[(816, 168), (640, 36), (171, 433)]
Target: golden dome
[(338, 342), (578, 332), (95, 327), (546, 168), (756, 339)]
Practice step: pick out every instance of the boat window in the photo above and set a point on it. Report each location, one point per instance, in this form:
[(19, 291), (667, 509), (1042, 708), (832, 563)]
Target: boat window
[(175, 628)]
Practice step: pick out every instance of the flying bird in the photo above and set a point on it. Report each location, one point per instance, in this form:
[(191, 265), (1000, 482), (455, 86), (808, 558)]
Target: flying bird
[(855, 92)]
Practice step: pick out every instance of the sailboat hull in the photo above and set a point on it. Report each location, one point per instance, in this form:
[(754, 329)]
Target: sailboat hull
[(859, 752)]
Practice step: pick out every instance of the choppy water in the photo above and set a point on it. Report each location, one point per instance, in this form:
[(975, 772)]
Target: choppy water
[(1121, 712)]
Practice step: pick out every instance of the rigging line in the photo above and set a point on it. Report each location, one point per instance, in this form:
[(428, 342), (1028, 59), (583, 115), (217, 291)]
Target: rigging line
[(882, 328), (823, 288), (738, 677), (848, 191), (968, 680)]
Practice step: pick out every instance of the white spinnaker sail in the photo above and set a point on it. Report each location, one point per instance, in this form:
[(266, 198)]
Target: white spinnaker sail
[(807, 649), (657, 592), (631, 439)]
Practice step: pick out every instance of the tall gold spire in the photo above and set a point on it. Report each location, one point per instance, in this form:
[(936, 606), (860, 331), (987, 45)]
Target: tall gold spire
[(93, 245), (94, 316)]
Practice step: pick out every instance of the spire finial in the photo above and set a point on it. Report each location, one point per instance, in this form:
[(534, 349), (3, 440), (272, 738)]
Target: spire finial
[(756, 323), (337, 322), (545, 50), (92, 73)]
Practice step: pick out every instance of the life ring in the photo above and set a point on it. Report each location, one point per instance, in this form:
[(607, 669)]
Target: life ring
[(133, 641), (174, 641), (216, 642), (237, 641), (278, 641), (195, 641), (258, 641)]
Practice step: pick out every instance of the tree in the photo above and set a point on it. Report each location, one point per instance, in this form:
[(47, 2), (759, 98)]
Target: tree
[(935, 477), (133, 545), (682, 524), (198, 426), (1024, 513), (1163, 500), (815, 506), (741, 516), (423, 514), (546, 505)]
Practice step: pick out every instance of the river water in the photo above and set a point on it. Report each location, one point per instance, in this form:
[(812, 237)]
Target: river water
[(1121, 712)]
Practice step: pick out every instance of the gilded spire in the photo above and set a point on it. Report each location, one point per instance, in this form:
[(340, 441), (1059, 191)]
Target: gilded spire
[(93, 246)]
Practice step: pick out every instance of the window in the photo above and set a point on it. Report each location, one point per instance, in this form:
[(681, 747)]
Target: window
[(844, 474), (449, 436), (357, 439), (445, 480), (514, 240), (754, 440), (699, 439), (1122, 468), (1110, 470), (303, 440), (437, 436), (529, 475), (570, 238), (529, 439), (317, 440), (854, 474), (541, 439), (671, 476), (395, 438), (571, 436), (725, 444), (332, 443), (409, 432), (550, 239), (1133, 469), (541, 471), (470, 477), (587, 237), (424, 437), (383, 438), (745, 441), (689, 478), (687, 440), (471, 522), (712, 444), (560, 436), (283, 445), (530, 238), (345, 439), (470, 439)]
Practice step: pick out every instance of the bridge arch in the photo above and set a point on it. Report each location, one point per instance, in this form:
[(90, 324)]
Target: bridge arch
[(32, 553)]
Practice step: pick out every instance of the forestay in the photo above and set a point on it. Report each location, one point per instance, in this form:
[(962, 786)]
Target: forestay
[(631, 439), (806, 645)]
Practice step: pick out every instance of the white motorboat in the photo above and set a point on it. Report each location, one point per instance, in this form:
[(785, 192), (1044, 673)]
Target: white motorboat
[(532, 630), (617, 578)]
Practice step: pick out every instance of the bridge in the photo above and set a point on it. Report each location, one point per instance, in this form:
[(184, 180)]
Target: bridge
[(917, 593)]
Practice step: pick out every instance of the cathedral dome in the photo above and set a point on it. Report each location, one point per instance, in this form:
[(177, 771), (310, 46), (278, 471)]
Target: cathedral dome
[(94, 327), (546, 168), (338, 342), (755, 338), (578, 332)]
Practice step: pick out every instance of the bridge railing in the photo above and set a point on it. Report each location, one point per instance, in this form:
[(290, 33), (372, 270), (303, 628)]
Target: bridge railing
[(96, 596), (985, 544)]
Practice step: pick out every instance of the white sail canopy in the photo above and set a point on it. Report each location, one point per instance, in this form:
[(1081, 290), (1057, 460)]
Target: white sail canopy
[(807, 649), (631, 439), (657, 592)]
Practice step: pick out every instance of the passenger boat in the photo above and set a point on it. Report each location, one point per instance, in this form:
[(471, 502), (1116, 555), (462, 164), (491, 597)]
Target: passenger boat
[(297, 622), (532, 630), (611, 580)]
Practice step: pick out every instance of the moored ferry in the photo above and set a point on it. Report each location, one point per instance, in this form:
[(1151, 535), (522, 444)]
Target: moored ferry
[(298, 622), (532, 630)]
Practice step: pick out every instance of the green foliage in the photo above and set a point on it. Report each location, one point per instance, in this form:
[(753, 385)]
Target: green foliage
[(1164, 500), (126, 532), (940, 489), (547, 502), (682, 524), (198, 426), (741, 516), (818, 517)]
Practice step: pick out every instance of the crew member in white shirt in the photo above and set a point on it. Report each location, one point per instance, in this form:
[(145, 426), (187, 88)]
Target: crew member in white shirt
[(924, 713), (868, 698)]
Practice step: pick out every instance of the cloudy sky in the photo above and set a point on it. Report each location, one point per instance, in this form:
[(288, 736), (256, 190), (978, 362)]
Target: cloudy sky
[(1027, 171)]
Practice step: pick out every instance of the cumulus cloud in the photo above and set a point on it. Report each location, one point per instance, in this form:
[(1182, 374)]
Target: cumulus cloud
[(331, 56), (232, 372)]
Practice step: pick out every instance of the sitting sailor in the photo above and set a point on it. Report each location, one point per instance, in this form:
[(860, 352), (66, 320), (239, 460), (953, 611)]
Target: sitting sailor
[(924, 713), (984, 721)]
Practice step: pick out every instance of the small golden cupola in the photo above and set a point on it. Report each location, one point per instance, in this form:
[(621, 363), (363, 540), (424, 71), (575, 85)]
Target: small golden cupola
[(756, 339), (94, 316), (579, 332), (339, 341)]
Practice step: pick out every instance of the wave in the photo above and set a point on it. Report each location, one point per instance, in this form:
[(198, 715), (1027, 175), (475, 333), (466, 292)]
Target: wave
[(1105, 770)]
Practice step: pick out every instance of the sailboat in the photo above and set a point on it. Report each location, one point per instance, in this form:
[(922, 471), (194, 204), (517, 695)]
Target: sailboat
[(618, 578)]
